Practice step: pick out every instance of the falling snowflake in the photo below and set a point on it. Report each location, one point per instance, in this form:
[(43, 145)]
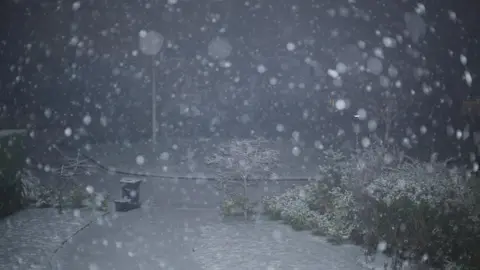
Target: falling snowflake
[(76, 6), (468, 78), (261, 69), (290, 46), (296, 151), (340, 104), (68, 132), (219, 48), (140, 160)]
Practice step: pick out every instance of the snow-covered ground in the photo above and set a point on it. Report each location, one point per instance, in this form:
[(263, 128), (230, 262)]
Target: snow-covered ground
[(270, 245), (159, 237), (30, 237), (178, 225)]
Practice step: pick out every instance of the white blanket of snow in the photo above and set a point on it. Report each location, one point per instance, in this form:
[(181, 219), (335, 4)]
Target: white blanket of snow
[(272, 246), (29, 237)]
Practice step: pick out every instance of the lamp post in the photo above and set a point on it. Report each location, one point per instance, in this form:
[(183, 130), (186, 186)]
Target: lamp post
[(151, 43)]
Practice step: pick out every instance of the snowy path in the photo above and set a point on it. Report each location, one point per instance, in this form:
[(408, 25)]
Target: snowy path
[(30, 237), (270, 245), (168, 238)]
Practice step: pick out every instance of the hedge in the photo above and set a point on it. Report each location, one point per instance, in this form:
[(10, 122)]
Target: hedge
[(13, 153)]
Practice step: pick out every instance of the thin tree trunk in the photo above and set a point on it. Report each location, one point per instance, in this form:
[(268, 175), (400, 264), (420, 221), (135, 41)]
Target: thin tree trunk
[(245, 202)]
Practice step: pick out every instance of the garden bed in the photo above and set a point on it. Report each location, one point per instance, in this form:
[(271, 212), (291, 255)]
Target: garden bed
[(415, 212)]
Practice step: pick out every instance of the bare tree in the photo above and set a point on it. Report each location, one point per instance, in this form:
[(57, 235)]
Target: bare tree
[(68, 171), (240, 162)]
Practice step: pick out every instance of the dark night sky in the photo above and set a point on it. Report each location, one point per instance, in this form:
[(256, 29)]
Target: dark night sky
[(110, 81)]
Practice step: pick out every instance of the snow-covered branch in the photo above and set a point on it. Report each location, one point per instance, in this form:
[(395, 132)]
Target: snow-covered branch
[(244, 158), (237, 162)]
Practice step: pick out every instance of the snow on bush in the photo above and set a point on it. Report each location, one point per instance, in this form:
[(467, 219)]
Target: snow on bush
[(66, 192), (35, 193), (431, 183), (296, 206), (293, 207), (386, 175), (30, 186), (341, 220), (356, 171), (240, 205), (378, 189), (239, 162), (40, 195)]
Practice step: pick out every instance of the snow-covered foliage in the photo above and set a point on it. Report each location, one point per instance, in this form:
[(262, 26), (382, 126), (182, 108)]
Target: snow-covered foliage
[(31, 187), (358, 170), (76, 196), (397, 192), (244, 158), (238, 205), (431, 183), (341, 219), (240, 161), (66, 192), (297, 207), (293, 206)]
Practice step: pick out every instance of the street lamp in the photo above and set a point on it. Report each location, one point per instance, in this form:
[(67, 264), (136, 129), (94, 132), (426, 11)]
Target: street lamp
[(151, 43)]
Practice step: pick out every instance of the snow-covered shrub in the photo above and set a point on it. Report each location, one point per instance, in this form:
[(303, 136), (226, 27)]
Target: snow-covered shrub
[(31, 187), (432, 183), (235, 206), (334, 168), (293, 206), (300, 217), (419, 209), (337, 218), (239, 162), (367, 165), (358, 170), (39, 195), (424, 208), (341, 219), (455, 266), (92, 200)]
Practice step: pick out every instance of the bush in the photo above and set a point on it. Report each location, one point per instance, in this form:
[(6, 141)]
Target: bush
[(238, 206), (293, 208), (422, 211), (430, 183), (239, 162), (13, 153), (77, 196)]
